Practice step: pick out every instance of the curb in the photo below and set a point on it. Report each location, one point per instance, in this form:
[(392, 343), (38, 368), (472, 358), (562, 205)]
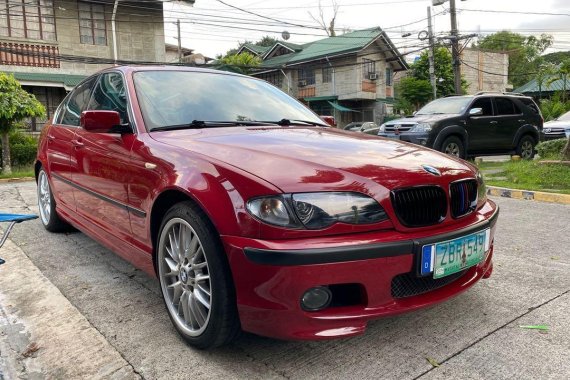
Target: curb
[(529, 195), (23, 179)]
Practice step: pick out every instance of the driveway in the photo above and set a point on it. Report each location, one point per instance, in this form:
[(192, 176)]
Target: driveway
[(476, 335)]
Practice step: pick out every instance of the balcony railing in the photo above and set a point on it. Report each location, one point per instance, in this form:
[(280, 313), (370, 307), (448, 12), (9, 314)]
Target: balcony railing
[(16, 54)]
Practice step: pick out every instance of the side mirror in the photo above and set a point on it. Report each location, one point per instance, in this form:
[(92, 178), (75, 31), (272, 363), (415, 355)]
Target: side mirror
[(476, 112), (98, 121)]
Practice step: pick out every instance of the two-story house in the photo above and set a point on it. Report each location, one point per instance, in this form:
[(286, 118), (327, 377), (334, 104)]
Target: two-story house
[(51, 45), (349, 76)]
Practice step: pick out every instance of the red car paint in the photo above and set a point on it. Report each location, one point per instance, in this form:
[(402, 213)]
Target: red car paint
[(110, 186)]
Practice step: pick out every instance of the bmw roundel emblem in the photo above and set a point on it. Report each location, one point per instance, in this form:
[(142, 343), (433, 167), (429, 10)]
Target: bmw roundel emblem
[(431, 170)]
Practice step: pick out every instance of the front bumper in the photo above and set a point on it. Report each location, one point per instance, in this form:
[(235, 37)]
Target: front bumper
[(554, 136), (271, 277), (422, 139)]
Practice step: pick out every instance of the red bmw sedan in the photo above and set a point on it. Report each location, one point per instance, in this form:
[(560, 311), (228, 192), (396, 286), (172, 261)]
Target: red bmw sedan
[(253, 213)]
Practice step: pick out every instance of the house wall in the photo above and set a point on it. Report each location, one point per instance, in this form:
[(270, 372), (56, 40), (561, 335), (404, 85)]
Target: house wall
[(140, 38)]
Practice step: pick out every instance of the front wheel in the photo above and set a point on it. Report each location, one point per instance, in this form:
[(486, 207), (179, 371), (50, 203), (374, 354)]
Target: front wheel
[(453, 146), (525, 148), (195, 279), (46, 204)]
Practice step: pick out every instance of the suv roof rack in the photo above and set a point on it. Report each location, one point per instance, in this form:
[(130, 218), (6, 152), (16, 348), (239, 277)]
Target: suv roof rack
[(500, 92)]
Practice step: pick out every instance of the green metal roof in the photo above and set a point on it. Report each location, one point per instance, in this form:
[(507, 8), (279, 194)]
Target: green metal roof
[(320, 98), (66, 80), (532, 87), (346, 43), (259, 50)]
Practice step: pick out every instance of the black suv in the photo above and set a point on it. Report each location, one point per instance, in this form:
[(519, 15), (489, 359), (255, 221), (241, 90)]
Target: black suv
[(471, 125)]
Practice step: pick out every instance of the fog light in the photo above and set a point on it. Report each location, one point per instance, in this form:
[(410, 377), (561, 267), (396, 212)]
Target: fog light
[(316, 298)]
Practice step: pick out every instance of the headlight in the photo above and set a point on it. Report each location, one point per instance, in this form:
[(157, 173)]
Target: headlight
[(382, 128), (420, 128), (481, 189), (317, 210)]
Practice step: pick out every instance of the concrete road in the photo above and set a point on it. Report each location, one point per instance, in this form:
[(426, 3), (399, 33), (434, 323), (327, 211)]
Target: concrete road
[(476, 335)]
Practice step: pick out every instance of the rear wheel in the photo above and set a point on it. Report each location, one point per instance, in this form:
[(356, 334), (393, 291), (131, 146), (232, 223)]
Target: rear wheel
[(46, 204), (453, 146), (195, 279), (525, 148)]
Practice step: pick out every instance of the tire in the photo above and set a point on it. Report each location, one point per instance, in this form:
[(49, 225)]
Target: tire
[(46, 204), (197, 288), (526, 147), (453, 146)]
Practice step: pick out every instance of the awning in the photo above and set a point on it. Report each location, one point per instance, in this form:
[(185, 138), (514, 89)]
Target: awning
[(320, 98), (66, 81), (341, 108)]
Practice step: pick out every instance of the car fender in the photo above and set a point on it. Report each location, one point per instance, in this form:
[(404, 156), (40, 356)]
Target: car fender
[(451, 130), (526, 129)]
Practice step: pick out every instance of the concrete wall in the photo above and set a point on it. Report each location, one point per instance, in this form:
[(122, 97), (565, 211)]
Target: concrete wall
[(477, 66), (140, 38)]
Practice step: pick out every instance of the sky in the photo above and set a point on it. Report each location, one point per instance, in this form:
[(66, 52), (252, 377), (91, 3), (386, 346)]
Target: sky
[(211, 27)]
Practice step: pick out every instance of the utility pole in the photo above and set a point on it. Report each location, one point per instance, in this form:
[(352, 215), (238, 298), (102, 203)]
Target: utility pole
[(179, 42), (431, 55), (455, 47)]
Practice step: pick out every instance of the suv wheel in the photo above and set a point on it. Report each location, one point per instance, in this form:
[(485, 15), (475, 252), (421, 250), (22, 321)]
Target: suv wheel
[(453, 146), (525, 148)]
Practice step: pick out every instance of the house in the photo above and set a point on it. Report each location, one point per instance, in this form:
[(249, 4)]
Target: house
[(171, 55), (51, 45), (347, 76)]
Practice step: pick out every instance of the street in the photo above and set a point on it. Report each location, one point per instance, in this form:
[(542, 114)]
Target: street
[(476, 335)]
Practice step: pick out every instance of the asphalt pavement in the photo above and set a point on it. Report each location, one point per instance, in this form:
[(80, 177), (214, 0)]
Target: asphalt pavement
[(477, 335)]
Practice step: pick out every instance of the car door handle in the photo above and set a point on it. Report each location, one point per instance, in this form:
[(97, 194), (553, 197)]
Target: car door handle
[(78, 143), (494, 122), (522, 121)]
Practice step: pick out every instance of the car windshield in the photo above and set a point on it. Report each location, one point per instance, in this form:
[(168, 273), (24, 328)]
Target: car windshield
[(565, 117), (170, 98), (454, 105)]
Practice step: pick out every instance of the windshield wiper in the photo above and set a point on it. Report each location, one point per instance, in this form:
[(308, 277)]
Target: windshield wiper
[(287, 122), (200, 124)]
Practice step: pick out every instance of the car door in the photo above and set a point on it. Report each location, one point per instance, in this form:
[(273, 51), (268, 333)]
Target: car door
[(60, 136), (103, 163), (481, 128), (508, 115)]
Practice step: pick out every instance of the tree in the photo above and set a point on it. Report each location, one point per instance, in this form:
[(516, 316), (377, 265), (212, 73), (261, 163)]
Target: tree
[(243, 63), (562, 72), (443, 71), (330, 27), (415, 91), (523, 52), (15, 106), (266, 41), (544, 72)]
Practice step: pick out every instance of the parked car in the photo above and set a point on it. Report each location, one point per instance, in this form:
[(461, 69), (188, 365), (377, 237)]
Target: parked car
[(483, 124), (330, 120), (558, 128), (253, 214), (368, 127)]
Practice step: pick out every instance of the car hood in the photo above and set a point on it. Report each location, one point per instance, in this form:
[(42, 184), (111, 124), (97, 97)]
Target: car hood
[(420, 119), (557, 124), (317, 159)]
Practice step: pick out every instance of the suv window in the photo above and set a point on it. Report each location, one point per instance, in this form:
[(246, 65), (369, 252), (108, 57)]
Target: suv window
[(77, 103), (530, 104), (110, 95), (506, 107), (486, 104)]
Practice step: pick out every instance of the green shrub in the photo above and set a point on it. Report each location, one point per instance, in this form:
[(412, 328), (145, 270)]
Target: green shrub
[(551, 149), (23, 149)]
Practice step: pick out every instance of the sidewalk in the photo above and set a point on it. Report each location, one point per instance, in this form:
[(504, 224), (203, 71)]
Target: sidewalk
[(42, 335)]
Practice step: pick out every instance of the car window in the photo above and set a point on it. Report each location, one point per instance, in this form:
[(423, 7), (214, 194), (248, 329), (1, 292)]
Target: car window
[(109, 95), (530, 104), (565, 117), (506, 107), (452, 105), (485, 104), (77, 103)]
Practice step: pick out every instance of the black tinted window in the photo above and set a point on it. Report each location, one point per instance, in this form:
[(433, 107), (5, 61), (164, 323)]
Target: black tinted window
[(530, 104), (77, 103), (505, 107), (109, 95), (485, 104)]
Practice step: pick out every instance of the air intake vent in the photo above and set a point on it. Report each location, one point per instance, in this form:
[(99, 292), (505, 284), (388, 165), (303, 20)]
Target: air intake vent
[(420, 206), (463, 196)]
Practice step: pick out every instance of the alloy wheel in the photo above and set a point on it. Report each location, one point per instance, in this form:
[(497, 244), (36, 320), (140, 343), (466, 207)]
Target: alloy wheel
[(452, 149), (526, 149), (44, 197), (185, 276)]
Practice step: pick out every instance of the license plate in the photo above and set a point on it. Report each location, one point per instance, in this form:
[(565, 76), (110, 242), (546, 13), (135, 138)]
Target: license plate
[(452, 256)]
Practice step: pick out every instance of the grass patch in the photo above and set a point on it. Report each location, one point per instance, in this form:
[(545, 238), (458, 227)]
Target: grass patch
[(528, 175), (19, 172)]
